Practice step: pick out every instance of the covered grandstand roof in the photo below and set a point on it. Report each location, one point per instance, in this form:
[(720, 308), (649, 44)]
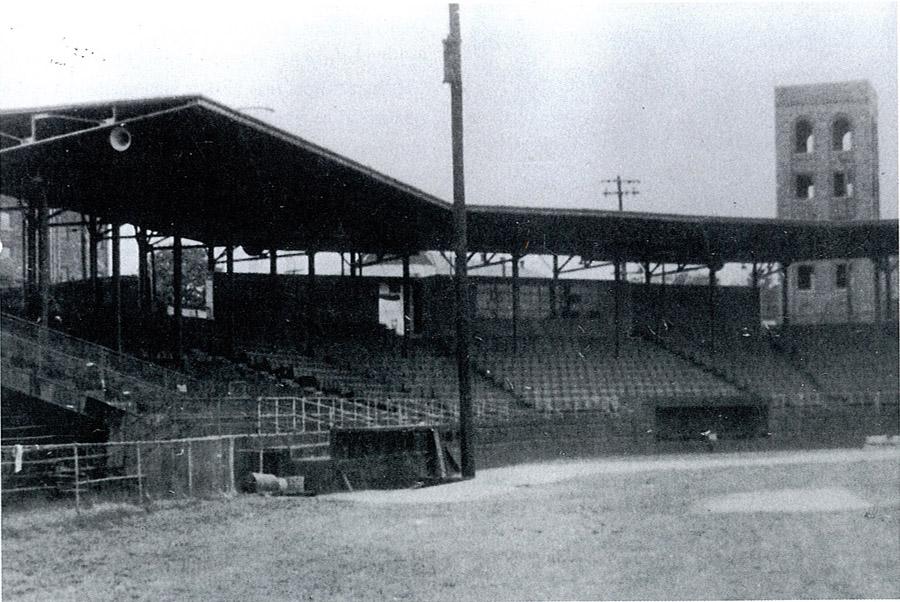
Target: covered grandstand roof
[(223, 177)]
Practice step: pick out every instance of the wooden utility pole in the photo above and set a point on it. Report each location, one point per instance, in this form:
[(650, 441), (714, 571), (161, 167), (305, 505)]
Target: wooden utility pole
[(453, 76), (622, 269)]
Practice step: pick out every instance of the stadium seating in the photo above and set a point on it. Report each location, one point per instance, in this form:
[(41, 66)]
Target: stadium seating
[(571, 373), (851, 361), (376, 370)]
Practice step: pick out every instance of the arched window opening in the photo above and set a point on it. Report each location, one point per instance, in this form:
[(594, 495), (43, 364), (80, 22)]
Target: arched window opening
[(843, 185), (842, 135), (804, 188), (803, 137)]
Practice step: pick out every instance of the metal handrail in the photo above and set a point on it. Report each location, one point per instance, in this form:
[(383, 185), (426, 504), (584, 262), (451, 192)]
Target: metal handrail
[(119, 361)]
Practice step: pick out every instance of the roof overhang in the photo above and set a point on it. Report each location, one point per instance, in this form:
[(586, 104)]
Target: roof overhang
[(218, 176)]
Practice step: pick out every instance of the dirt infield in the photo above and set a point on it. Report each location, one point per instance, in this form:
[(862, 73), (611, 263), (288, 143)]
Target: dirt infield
[(632, 528)]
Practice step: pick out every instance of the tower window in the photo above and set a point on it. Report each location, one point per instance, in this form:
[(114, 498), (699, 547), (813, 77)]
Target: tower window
[(804, 277), (842, 185), (803, 137), (842, 135), (841, 275), (804, 186)]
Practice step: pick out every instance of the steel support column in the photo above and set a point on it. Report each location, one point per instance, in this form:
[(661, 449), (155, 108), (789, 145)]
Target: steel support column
[(140, 236), (407, 306), (117, 286), (311, 307), (876, 281), (44, 260), (617, 293), (785, 297), (713, 268), (229, 294), (93, 241), (515, 302), (273, 261), (177, 301), (31, 219), (553, 287)]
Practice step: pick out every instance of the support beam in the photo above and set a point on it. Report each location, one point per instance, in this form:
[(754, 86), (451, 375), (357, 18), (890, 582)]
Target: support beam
[(617, 293), (117, 287), (648, 275), (143, 249), (515, 302), (407, 306), (849, 265), (82, 232), (876, 281), (713, 269), (311, 303), (553, 287), (177, 301), (31, 263), (210, 295), (94, 260), (785, 297), (273, 261), (44, 260), (229, 294)]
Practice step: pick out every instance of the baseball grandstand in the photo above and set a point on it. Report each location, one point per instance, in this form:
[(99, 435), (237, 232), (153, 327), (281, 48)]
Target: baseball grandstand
[(113, 385)]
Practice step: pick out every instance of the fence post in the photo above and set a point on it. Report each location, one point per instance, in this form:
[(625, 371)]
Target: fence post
[(219, 416), (259, 441), (140, 476), (231, 487), (77, 488), (277, 403), (190, 467)]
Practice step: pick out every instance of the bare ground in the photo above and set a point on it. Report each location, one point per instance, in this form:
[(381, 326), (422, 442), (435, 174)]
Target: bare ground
[(632, 528)]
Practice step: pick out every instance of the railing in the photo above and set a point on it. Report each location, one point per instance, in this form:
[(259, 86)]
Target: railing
[(103, 356), (318, 414), (116, 388), (876, 399), (142, 471), (372, 390)]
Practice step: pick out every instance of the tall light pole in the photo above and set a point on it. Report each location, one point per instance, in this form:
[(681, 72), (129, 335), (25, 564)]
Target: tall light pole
[(453, 76)]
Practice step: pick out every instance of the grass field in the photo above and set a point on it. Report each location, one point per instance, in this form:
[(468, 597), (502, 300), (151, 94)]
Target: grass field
[(826, 524)]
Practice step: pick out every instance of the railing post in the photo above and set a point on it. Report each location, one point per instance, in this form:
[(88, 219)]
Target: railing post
[(294, 414), (231, 487), (77, 484), (190, 467), (140, 476), (277, 403)]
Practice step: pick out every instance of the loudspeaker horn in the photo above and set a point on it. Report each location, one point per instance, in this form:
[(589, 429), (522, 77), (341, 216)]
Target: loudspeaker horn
[(120, 138)]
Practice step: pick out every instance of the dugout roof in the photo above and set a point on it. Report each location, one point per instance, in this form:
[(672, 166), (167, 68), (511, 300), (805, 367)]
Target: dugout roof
[(222, 177)]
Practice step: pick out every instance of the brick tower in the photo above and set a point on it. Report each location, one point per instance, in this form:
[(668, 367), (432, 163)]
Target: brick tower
[(826, 142)]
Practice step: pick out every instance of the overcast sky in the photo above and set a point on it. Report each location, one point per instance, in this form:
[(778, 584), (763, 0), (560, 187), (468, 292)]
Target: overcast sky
[(557, 98)]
